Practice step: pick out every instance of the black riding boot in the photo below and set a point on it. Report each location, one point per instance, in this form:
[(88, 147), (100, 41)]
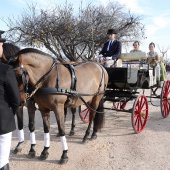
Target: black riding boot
[(5, 167)]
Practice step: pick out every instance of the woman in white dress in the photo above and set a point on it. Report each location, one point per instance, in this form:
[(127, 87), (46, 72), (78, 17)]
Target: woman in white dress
[(153, 55)]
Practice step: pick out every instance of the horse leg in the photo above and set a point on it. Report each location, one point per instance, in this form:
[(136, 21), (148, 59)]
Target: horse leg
[(59, 114), (19, 115), (72, 132), (85, 138), (65, 114), (31, 113), (98, 120), (46, 123)]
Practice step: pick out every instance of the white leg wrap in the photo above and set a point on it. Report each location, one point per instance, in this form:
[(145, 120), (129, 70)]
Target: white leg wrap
[(46, 139), (20, 135), (64, 143), (32, 138), (5, 145)]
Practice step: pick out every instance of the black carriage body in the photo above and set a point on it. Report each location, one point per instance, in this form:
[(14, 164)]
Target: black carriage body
[(118, 86), (117, 78)]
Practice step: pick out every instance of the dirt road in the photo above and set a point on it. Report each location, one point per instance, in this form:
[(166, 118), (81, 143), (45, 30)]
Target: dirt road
[(116, 148)]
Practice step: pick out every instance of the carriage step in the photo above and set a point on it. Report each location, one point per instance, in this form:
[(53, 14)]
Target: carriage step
[(113, 93), (122, 99)]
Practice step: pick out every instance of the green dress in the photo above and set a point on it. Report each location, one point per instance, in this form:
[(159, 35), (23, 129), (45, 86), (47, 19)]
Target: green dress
[(163, 75)]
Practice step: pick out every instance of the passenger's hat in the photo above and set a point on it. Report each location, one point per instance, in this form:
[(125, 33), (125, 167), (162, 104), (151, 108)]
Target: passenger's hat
[(2, 39), (111, 31)]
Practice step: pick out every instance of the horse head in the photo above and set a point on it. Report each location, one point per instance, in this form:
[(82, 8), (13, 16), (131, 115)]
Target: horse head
[(21, 76)]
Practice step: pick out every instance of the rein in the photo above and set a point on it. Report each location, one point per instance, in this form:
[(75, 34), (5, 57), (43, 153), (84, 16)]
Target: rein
[(36, 86), (30, 92), (70, 92)]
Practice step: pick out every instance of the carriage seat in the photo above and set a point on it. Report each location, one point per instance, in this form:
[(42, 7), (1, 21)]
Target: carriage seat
[(133, 56), (132, 71)]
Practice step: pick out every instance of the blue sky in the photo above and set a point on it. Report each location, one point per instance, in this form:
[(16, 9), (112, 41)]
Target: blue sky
[(155, 16)]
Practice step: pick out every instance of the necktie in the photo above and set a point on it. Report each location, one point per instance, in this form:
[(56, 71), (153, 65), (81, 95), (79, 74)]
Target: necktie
[(109, 44)]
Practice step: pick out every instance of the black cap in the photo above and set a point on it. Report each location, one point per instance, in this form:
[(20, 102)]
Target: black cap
[(2, 39), (111, 31)]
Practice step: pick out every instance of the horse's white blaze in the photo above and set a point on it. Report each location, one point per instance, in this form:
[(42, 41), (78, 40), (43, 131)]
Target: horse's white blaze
[(46, 139), (20, 135), (32, 138), (64, 143)]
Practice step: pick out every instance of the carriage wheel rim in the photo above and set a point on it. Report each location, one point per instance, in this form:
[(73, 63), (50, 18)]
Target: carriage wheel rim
[(140, 113), (165, 104), (119, 105), (84, 115)]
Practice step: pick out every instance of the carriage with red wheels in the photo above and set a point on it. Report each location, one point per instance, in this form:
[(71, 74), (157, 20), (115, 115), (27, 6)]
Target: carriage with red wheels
[(131, 74)]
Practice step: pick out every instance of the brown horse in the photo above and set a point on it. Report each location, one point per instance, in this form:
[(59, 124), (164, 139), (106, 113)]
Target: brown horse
[(9, 50), (55, 81)]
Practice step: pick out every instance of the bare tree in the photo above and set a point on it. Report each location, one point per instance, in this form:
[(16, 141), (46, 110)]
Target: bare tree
[(163, 52), (64, 33)]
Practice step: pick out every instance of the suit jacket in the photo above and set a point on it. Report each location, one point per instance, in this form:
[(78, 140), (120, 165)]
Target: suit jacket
[(114, 50), (9, 98)]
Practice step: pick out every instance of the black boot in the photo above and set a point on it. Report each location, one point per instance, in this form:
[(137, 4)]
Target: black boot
[(5, 167)]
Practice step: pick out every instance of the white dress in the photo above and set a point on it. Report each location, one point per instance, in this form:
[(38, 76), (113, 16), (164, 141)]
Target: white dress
[(157, 68)]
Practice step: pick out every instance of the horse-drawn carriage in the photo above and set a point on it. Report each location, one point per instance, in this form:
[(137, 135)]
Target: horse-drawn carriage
[(65, 86), (132, 73)]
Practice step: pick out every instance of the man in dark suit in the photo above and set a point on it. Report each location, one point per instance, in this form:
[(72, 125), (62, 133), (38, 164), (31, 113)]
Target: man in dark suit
[(111, 49), (9, 102)]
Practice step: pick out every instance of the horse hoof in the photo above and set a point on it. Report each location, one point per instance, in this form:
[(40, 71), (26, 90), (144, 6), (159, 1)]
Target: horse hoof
[(85, 141), (31, 155), (17, 150), (43, 157), (63, 161), (71, 133), (93, 137)]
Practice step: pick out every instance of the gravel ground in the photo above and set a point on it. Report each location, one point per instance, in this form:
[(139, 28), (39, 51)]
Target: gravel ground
[(116, 148)]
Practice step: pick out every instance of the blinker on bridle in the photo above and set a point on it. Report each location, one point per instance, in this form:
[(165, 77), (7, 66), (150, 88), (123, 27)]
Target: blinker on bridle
[(24, 76)]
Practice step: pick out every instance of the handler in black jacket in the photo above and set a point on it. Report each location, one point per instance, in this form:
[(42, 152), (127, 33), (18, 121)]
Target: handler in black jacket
[(111, 49), (9, 102)]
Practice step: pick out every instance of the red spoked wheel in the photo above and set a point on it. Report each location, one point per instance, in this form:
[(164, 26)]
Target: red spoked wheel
[(139, 113), (84, 114), (165, 99), (120, 105)]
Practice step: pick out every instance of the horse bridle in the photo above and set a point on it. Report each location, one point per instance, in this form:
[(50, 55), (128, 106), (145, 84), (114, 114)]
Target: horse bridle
[(25, 77)]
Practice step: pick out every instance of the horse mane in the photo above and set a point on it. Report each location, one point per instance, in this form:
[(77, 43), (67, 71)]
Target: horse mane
[(9, 50), (32, 50)]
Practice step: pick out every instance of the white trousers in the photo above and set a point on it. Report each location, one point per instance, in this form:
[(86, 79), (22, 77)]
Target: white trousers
[(5, 145), (157, 70)]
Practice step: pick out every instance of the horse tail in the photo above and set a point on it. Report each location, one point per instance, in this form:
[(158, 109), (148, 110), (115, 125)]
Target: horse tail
[(100, 116)]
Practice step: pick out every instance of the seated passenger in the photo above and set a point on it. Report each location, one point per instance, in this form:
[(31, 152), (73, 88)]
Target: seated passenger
[(152, 55), (111, 50), (136, 47)]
